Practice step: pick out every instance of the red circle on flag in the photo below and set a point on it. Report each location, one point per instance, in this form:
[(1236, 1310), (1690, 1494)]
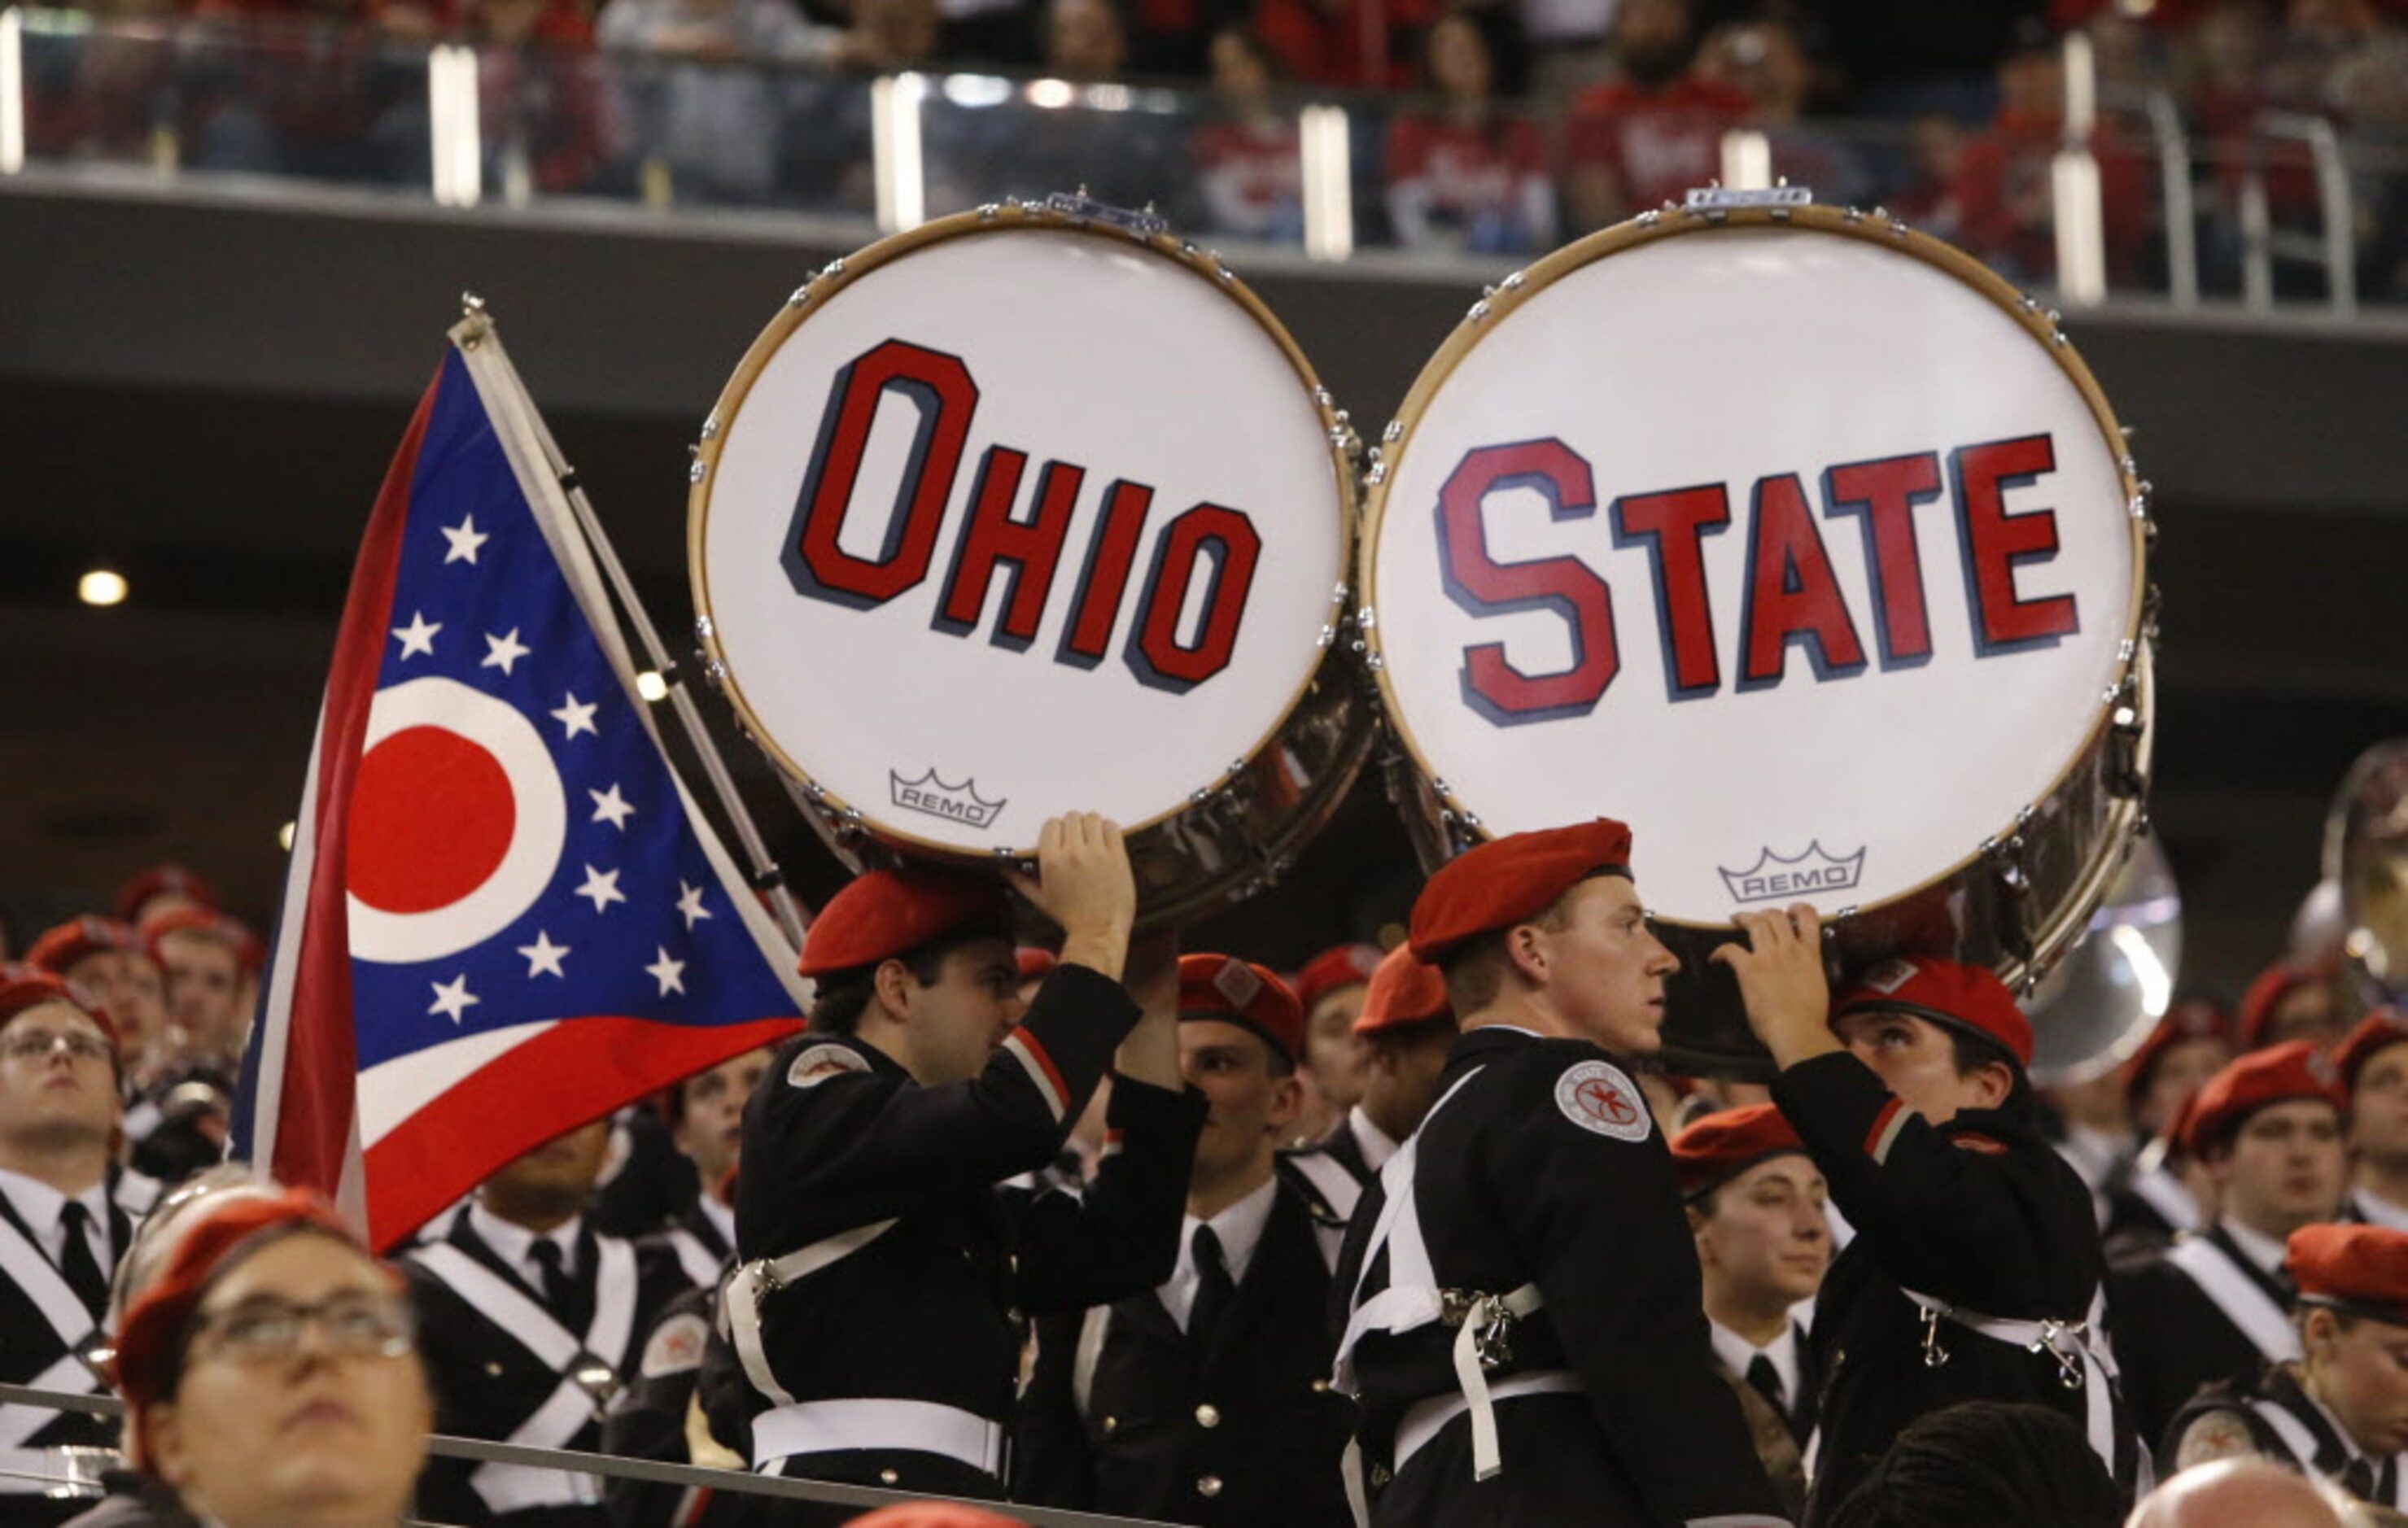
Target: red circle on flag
[(432, 816)]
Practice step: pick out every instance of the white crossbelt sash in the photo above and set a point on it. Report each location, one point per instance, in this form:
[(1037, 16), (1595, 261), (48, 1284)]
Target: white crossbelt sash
[(2245, 1304), (2081, 1357), (700, 1262), (821, 1427), (1338, 1189), (39, 1281), (750, 1284), (508, 1488), (2163, 1192), (2297, 1437)]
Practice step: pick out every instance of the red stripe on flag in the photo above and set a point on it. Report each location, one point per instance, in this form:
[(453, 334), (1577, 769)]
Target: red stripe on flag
[(1880, 1123), (527, 1096), (314, 1116)]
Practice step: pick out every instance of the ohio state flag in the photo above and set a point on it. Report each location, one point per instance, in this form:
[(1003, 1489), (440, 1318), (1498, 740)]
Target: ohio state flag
[(504, 916)]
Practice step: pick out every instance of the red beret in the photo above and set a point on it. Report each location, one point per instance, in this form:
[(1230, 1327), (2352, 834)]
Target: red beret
[(1034, 963), (23, 987), (1510, 881), (159, 881), (248, 952), (935, 1515), (76, 940), (2361, 1268), (1968, 998), (2378, 1031), (1241, 992), (1340, 966), (1716, 1148), (2193, 1018), (885, 913), (1405, 989), (207, 1235), (2265, 994), (2258, 1079)]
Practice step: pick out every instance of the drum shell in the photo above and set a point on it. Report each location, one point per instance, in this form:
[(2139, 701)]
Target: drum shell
[(2016, 902)]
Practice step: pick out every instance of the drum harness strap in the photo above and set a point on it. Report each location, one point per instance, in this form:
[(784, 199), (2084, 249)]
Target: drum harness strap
[(2084, 1361), (1483, 1323), (749, 1286)]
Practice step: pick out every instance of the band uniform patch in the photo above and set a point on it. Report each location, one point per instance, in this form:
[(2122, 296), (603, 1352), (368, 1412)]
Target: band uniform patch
[(816, 1064), (675, 1347), (2218, 1434), (1598, 1096)]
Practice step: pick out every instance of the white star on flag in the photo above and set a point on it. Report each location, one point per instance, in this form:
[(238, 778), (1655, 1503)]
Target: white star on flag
[(668, 973), (503, 651), (577, 716), (419, 636), (602, 886), (611, 807), (464, 538), (543, 956), (689, 902), (453, 998)]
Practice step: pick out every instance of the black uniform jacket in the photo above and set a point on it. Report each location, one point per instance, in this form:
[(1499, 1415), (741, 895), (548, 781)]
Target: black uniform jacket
[(486, 1381), (839, 1137), (2228, 1419), (1979, 1213), (1545, 1168), (653, 1416), (1248, 1431), (694, 1239), (2172, 1338), (30, 1347)]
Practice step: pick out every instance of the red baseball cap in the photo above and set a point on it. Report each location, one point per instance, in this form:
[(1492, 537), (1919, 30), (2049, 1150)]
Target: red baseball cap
[(70, 944), (2378, 1031), (1405, 989), (2259, 1078), (1716, 1148), (1968, 999), (1510, 881), (1239, 991), (159, 881), (885, 913), (2193, 1018), (1340, 966), (2362, 1269), (24, 987)]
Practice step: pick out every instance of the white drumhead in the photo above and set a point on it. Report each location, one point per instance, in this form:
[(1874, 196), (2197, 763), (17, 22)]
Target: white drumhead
[(1840, 776), (1084, 349)]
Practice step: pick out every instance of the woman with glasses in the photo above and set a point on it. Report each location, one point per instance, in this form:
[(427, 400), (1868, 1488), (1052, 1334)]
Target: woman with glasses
[(270, 1370)]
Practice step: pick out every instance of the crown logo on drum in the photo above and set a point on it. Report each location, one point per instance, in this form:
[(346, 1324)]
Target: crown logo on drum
[(1817, 869), (933, 797)]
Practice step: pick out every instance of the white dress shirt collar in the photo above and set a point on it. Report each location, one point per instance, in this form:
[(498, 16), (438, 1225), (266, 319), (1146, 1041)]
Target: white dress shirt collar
[(2259, 1248), (1373, 1141), (721, 1216), (1239, 1229), (39, 1205), (514, 1244), (2388, 1213), (1737, 1353)]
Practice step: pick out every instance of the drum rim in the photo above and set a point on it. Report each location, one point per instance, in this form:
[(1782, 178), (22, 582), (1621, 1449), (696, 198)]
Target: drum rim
[(1501, 301), (822, 287)]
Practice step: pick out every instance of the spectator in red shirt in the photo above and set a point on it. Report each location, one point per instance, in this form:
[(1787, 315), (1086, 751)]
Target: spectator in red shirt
[(1245, 164), (1345, 44), (1648, 137), (2004, 188), (1464, 174), (1765, 61)]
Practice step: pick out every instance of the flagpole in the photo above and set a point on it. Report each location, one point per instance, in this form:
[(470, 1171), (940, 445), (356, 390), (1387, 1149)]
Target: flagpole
[(764, 872)]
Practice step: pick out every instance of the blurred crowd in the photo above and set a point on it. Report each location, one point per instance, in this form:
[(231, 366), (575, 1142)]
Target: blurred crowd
[(1498, 126)]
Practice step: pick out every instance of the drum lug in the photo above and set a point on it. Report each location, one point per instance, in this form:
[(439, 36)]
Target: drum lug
[(710, 426), (1395, 430), (697, 472), (2124, 775), (703, 628), (2006, 857), (801, 295)]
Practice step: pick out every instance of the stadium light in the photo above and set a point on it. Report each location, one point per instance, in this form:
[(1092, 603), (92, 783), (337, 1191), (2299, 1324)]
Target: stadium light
[(101, 586), (12, 91)]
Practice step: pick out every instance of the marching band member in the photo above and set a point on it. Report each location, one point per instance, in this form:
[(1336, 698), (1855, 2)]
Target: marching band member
[(1522, 1319), (878, 1315), (2373, 1065), (1333, 987), (107, 959), (1406, 1028), (1207, 1400), (2340, 1410), (1975, 1270), (2212, 1306), (706, 1119), (60, 1232), (530, 1321), (1757, 1209), (2150, 1202)]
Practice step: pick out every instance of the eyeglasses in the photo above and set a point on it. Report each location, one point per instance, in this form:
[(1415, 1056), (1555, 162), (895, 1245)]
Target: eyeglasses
[(36, 1044), (267, 1330)]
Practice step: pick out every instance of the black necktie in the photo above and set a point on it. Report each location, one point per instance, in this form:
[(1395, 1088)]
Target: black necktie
[(1214, 1287), (1763, 1379), (82, 1270), (546, 1254)]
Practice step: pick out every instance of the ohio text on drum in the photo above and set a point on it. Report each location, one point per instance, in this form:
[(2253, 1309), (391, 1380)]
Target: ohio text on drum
[(1797, 535), (1070, 480)]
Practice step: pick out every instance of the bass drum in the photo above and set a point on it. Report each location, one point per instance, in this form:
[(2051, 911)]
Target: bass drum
[(1032, 511), (1801, 542)]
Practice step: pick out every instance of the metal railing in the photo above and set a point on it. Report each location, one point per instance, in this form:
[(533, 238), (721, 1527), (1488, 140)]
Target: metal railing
[(642, 1471)]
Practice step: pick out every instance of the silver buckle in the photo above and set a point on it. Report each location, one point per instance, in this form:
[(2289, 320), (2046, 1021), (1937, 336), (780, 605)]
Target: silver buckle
[(1934, 1355), (595, 1378), (2063, 1341)]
